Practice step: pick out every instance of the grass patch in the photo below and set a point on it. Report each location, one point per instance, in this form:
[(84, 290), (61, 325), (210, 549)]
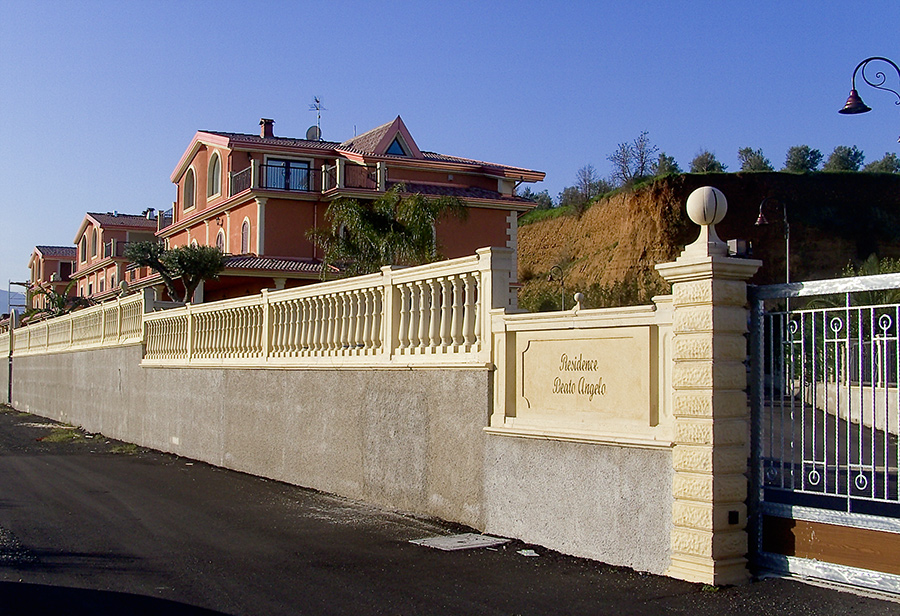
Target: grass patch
[(124, 448), (545, 214), (62, 435)]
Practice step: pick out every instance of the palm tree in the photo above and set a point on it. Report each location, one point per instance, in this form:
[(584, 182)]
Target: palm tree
[(395, 229)]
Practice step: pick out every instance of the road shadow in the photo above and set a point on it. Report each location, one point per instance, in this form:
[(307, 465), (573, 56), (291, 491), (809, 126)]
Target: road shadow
[(18, 599)]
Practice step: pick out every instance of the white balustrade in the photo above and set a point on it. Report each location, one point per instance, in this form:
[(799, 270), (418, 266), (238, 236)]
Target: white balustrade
[(433, 312), (114, 323)]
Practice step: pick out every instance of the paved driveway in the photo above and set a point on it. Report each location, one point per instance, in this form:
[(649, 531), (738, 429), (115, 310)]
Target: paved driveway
[(92, 526)]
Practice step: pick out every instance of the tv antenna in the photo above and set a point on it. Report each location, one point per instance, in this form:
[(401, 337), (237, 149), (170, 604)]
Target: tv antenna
[(315, 132)]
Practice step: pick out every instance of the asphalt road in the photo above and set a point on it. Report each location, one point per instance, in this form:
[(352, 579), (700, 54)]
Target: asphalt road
[(92, 526)]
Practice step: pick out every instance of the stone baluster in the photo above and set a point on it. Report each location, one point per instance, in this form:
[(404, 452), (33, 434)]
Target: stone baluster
[(457, 319), (470, 313), (435, 333), (404, 317), (446, 312), (424, 314)]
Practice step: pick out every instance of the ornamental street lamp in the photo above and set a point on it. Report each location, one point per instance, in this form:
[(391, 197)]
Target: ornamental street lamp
[(761, 221), (854, 103)]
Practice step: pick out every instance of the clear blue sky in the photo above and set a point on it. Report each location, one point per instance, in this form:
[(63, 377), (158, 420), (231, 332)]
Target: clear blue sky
[(98, 100)]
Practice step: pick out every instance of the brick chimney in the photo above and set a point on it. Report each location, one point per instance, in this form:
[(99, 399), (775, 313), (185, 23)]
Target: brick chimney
[(265, 127)]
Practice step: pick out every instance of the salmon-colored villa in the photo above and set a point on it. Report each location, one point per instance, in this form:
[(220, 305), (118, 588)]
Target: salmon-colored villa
[(256, 196)]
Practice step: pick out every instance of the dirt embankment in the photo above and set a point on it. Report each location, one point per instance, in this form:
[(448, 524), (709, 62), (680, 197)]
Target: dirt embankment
[(609, 252)]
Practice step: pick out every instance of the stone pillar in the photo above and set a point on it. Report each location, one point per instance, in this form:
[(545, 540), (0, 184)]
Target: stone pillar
[(709, 291)]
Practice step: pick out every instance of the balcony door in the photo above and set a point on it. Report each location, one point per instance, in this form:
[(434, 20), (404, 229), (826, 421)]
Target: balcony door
[(287, 174)]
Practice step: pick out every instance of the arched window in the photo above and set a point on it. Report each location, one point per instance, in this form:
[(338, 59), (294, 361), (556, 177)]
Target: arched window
[(194, 243), (220, 241), (245, 237), (83, 248), (189, 190), (214, 177), (94, 243)]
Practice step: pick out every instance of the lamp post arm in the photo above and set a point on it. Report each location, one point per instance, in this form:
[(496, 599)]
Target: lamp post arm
[(879, 76)]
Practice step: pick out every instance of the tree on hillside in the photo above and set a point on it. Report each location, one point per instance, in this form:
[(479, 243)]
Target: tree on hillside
[(753, 160), (395, 229), (665, 165), (802, 159), (706, 162), (633, 161), (844, 158), (543, 199), (889, 164), (189, 264)]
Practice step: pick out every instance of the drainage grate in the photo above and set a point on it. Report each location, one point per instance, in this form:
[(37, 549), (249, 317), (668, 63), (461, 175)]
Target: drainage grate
[(466, 541)]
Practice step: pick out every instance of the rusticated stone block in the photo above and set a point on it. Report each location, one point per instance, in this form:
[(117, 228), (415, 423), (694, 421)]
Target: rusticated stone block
[(692, 541), (729, 544), (703, 516), (694, 487), (719, 292), (705, 318), (708, 373), (693, 515), (705, 432), (704, 346), (700, 404), (706, 459), (730, 489), (718, 545)]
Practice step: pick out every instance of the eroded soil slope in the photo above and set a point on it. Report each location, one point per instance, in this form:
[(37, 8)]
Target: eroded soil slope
[(609, 252)]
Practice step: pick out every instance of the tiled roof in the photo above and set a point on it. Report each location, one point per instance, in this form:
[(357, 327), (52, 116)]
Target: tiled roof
[(368, 140), (63, 252), (281, 264), (461, 192), (362, 144), (278, 141), (111, 219)]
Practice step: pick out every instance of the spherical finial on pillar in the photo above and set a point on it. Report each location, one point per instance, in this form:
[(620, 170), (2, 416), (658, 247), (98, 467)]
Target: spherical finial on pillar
[(707, 206)]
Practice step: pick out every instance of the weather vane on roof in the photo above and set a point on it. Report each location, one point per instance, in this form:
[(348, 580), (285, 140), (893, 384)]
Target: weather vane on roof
[(314, 133)]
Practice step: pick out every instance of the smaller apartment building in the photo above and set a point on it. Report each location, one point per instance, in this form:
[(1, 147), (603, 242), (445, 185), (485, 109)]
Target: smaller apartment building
[(100, 264), (51, 268)]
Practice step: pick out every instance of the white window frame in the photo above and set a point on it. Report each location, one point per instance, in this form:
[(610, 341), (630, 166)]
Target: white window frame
[(184, 192), (213, 185)]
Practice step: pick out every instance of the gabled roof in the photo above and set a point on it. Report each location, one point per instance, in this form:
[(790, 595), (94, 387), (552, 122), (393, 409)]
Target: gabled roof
[(114, 220), (379, 140)]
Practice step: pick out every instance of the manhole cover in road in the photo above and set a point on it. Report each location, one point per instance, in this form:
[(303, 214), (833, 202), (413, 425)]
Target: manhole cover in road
[(466, 541)]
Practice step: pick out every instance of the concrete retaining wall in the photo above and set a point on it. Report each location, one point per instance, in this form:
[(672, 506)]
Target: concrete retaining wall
[(411, 441), (407, 440)]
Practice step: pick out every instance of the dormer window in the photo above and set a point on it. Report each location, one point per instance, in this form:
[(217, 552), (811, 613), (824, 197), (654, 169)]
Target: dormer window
[(214, 178), (397, 147), (189, 196)]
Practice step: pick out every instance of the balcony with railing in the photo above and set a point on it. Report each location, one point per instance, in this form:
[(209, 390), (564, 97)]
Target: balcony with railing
[(114, 248), (301, 177)]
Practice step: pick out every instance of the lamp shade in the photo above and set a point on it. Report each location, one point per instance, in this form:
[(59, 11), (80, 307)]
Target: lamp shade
[(854, 104)]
